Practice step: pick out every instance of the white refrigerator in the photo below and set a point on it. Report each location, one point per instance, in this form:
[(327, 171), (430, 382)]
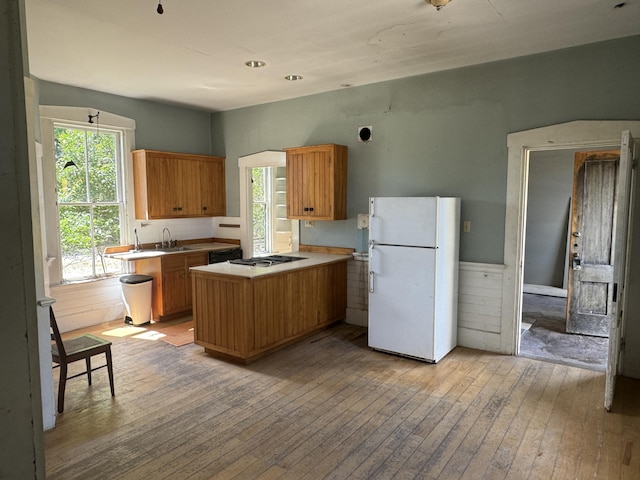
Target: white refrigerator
[(413, 275)]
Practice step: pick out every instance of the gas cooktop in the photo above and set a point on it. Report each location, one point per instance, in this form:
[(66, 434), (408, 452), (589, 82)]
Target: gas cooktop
[(265, 261)]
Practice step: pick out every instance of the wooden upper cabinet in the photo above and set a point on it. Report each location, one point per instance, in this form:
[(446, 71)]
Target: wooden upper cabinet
[(317, 182), (212, 183), (169, 185)]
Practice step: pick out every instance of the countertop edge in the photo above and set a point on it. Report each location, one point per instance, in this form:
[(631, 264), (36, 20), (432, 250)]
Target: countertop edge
[(250, 272)]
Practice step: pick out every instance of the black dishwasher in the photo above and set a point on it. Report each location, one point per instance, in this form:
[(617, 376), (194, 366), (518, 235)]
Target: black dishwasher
[(217, 256)]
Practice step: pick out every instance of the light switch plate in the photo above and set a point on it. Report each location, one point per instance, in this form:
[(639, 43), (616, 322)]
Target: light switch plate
[(363, 220)]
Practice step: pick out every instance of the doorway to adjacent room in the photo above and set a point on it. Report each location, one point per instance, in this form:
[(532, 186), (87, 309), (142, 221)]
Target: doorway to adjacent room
[(554, 258)]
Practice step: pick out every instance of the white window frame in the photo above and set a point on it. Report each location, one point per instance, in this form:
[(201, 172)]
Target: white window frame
[(267, 158), (79, 116)]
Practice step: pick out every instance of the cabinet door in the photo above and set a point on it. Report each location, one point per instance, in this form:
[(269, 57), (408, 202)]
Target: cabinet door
[(316, 182), (308, 178), (189, 182), (212, 187), (192, 260), (318, 175), (332, 292), (161, 193), (295, 184), (174, 291)]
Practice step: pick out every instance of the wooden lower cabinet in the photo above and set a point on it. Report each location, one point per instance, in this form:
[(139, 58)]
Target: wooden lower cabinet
[(171, 282), (247, 318)]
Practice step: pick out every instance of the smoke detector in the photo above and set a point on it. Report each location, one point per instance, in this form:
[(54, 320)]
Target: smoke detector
[(437, 3)]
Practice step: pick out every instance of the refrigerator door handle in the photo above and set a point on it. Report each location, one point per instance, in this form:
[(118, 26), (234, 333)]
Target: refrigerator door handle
[(371, 267)]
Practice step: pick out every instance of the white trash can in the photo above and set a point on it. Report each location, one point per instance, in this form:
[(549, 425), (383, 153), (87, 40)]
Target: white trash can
[(136, 295)]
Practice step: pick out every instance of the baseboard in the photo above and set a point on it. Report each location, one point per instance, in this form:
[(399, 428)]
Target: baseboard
[(544, 290)]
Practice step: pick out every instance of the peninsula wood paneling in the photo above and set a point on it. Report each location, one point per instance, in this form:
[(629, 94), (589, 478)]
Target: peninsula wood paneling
[(266, 313)]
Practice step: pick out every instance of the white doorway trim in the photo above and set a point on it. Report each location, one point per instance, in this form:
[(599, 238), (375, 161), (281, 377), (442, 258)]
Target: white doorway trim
[(578, 134), (267, 158)]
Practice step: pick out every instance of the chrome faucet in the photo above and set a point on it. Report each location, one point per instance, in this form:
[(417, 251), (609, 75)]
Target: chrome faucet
[(136, 244), (166, 244)]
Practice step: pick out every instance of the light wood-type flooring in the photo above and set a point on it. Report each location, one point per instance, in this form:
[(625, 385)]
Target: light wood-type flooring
[(329, 407)]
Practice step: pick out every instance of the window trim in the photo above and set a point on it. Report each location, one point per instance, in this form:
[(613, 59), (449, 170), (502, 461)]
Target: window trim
[(266, 158), (78, 116)]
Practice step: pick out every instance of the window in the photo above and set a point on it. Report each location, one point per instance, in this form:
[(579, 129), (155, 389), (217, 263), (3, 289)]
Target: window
[(263, 203), (88, 166), (261, 209), (84, 205), (271, 227)]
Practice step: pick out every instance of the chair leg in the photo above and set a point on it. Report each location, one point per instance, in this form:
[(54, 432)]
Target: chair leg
[(61, 386), (88, 360), (107, 354)]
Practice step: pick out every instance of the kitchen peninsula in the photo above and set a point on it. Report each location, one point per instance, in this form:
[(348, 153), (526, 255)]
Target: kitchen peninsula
[(243, 312)]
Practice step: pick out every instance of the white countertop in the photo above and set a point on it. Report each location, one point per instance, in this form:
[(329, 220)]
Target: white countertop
[(150, 253), (248, 271)]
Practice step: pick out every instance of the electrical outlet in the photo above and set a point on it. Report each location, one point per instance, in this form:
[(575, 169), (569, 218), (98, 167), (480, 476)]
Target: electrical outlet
[(466, 226), (309, 223)]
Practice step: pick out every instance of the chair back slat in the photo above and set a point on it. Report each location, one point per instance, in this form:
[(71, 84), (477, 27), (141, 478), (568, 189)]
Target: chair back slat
[(56, 334)]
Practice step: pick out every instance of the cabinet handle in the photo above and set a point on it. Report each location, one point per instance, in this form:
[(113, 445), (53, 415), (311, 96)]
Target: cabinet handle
[(204, 208), (306, 209), (311, 209)]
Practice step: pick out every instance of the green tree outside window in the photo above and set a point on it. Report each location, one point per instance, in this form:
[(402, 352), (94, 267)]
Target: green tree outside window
[(90, 205)]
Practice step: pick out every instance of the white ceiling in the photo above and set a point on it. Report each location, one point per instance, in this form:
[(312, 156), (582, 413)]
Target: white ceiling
[(194, 53)]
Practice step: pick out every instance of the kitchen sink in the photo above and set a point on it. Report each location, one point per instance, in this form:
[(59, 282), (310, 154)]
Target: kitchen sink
[(266, 261), (161, 249), (174, 249)]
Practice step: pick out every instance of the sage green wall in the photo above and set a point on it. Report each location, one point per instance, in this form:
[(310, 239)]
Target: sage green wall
[(548, 205), (158, 126), (439, 134)]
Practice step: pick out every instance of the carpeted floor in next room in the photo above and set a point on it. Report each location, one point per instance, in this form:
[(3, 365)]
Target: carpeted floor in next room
[(546, 338)]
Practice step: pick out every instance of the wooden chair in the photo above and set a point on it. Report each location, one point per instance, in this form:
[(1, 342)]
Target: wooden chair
[(64, 352)]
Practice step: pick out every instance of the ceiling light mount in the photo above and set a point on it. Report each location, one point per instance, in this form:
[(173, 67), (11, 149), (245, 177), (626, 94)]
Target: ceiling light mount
[(160, 10), (437, 3)]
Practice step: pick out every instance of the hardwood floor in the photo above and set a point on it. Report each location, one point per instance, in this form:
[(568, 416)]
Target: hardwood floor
[(329, 407)]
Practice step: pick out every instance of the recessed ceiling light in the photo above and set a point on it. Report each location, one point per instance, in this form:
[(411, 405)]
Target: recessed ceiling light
[(293, 77), (255, 63)]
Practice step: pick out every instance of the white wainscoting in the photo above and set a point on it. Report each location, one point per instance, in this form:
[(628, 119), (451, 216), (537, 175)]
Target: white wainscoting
[(479, 301), (89, 303), (480, 305)]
